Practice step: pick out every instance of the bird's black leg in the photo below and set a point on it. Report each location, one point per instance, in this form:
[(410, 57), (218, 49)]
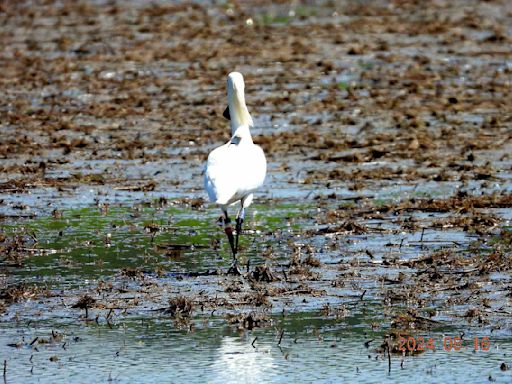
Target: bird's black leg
[(233, 270), (239, 222), (229, 232)]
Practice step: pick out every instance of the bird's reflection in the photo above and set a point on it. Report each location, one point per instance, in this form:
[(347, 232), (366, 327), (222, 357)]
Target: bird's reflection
[(238, 361)]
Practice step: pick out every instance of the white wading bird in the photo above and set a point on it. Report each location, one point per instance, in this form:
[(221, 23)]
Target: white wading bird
[(236, 169)]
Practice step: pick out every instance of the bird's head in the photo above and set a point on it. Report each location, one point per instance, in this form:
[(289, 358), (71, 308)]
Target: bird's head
[(236, 82), (237, 111)]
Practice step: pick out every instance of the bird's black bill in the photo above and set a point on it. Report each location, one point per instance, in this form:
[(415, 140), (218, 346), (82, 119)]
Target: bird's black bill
[(226, 113)]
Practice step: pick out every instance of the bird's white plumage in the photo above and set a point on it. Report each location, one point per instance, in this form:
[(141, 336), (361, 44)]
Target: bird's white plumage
[(234, 171), (238, 168)]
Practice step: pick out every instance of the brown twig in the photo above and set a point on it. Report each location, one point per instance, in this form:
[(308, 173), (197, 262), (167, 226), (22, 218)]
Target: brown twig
[(280, 337), (389, 356)]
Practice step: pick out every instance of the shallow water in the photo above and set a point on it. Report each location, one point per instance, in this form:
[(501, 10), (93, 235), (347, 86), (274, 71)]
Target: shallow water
[(140, 344), (311, 349)]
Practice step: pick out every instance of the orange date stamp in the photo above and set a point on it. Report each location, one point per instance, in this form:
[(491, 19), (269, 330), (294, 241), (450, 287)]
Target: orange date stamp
[(449, 344)]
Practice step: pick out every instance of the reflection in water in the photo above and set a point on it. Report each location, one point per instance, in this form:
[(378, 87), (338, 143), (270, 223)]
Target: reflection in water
[(155, 353), (239, 359)]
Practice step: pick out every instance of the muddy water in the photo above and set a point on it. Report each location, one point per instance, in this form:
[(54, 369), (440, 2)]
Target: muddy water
[(386, 212)]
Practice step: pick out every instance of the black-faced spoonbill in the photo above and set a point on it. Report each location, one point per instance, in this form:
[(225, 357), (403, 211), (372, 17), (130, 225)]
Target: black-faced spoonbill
[(238, 168)]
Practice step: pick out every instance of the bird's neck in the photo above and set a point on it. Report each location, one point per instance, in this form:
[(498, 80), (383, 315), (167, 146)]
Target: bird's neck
[(242, 134), (239, 114)]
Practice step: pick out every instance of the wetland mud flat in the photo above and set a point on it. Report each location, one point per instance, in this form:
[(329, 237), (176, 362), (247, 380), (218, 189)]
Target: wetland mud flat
[(379, 248)]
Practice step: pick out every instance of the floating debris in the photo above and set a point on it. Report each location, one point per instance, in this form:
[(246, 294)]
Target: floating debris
[(250, 320), (180, 306), (263, 273), (85, 302)]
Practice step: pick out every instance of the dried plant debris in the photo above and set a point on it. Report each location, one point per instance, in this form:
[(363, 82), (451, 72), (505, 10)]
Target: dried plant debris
[(180, 306), (346, 227), (263, 273), (411, 320), (19, 292), (259, 298), (133, 273), (250, 320), (85, 302), (337, 312)]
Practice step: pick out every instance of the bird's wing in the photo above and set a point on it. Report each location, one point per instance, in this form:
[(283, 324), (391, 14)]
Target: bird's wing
[(217, 180)]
